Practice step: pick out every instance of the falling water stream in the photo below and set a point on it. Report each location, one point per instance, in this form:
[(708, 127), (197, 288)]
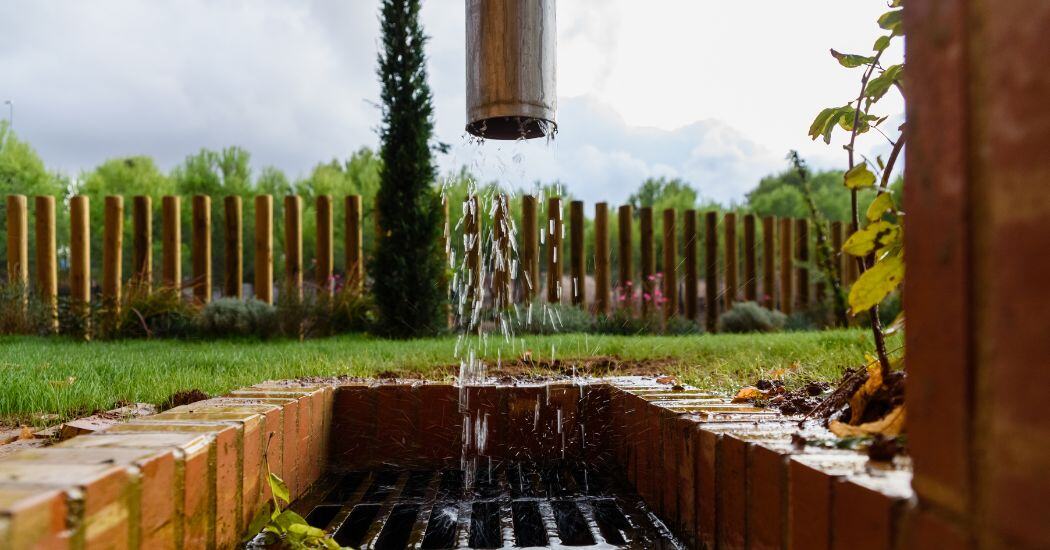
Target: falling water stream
[(485, 316)]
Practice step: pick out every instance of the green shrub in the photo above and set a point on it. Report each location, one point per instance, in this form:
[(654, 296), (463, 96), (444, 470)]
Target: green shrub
[(21, 314), (227, 317), (344, 312), (159, 314), (800, 321), (750, 317), (551, 319), (621, 322), (681, 326)]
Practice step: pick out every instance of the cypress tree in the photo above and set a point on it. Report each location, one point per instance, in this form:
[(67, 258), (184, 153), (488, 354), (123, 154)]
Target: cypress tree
[(408, 266)]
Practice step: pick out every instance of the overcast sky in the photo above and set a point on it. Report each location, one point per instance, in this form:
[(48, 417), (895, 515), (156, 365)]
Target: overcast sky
[(711, 91)]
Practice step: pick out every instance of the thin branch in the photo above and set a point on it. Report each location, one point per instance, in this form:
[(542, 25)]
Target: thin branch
[(897, 146)]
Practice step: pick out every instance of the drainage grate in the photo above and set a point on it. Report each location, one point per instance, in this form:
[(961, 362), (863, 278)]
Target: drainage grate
[(513, 505)]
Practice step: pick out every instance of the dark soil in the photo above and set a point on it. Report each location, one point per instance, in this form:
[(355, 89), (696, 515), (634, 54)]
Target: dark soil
[(183, 397)]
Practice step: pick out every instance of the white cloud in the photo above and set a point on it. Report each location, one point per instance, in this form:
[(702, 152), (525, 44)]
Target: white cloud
[(714, 92)]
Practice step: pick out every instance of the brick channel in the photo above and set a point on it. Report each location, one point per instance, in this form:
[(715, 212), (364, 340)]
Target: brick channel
[(717, 474)]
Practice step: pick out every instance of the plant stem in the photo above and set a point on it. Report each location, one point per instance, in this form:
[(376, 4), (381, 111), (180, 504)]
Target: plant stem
[(873, 313), (886, 172)]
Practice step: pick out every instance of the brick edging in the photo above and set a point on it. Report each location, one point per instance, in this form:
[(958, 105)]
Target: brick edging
[(189, 477), (731, 478)]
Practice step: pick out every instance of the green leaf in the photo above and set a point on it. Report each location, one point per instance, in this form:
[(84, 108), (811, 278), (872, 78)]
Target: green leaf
[(287, 519), (876, 283), (891, 21), (882, 42), (883, 203), (876, 235), (859, 177), (823, 122), (882, 83), (850, 60), (279, 489), (306, 531)]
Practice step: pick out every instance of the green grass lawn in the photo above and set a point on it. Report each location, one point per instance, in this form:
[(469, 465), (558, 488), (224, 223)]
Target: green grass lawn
[(69, 378)]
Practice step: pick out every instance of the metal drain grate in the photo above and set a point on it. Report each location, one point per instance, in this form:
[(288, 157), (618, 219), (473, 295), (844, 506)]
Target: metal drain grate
[(510, 505)]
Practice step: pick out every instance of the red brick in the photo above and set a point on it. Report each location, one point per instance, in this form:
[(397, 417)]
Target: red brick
[(191, 452), (440, 428), (396, 442), (685, 430), (766, 498), (810, 479), (862, 518), (354, 419), (152, 495), (666, 477), (926, 529), (707, 443), (32, 517), (105, 490), (213, 486), (732, 493)]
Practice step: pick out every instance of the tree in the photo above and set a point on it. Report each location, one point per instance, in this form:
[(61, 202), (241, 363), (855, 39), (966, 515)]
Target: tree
[(126, 177), (407, 268), (23, 172)]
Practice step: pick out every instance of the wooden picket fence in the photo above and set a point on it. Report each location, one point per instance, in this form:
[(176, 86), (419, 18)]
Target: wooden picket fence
[(782, 281)]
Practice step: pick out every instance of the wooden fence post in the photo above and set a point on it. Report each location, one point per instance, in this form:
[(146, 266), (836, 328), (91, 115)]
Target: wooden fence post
[(233, 248), (555, 255), (201, 248), (171, 243), (626, 221), (750, 274), (601, 258), (501, 260), (142, 243), (472, 250), (80, 260), (293, 246), (530, 257), (836, 250), (670, 278), (264, 248), (577, 255), (851, 271), (648, 268), (18, 244), (730, 252), (355, 261), (325, 247), (769, 283), (46, 258), (802, 259), (112, 252), (787, 246), (691, 283), (711, 271)]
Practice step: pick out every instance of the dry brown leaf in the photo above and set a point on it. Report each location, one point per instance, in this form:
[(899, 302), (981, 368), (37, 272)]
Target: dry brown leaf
[(747, 394), (666, 380), (27, 433), (890, 425), (859, 401)]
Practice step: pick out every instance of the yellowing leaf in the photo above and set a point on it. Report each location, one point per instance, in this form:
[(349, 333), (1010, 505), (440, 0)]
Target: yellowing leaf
[(279, 489), (890, 425), (747, 394), (876, 283), (883, 203), (850, 60), (859, 401), (859, 177), (876, 235)]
